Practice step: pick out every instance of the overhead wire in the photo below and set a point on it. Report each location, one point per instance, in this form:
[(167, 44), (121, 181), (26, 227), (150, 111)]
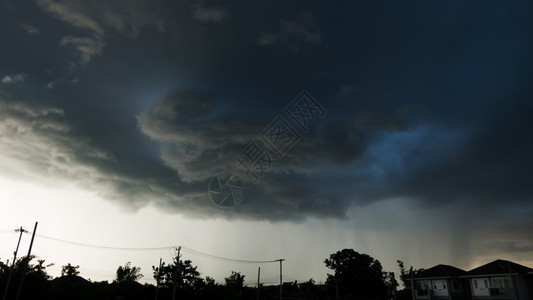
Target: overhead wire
[(10, 230), (195, 252), (103, 247), (169, 248)]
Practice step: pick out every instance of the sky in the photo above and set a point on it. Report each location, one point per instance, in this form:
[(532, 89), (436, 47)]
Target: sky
[(259, 131)]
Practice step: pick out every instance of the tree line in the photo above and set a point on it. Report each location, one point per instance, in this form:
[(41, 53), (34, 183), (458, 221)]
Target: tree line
[(354, 276)]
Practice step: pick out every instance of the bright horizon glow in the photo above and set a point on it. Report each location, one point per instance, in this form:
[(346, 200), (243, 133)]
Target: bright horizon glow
[(58, 209)]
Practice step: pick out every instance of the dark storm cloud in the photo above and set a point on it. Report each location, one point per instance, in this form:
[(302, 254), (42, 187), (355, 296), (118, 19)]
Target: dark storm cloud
[(211, 14), (200, 142), (197, 141), (372, 121), (290, 33), (491, 165), (429, 101), (39, 135)]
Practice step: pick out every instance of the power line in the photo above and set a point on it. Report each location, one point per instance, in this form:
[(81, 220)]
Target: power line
[(104, 247), (186, 249), (107, 247), (191, 251), (10, 230)]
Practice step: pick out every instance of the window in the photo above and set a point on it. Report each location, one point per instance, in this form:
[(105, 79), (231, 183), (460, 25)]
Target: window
[(486, 283), (500, 283), (444, 286), (497, 283), (475, 284)]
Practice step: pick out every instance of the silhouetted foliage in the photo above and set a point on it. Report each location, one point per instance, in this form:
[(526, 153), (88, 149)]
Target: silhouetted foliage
[(235, 284), (235, 280), (209, 281), (128, 273), (70, 270), (357, 276), (406, 274), (183, 274), (310, 289), (36, 278), (390, 283)]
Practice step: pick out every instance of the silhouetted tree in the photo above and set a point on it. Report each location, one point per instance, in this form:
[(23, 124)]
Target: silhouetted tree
[(235, 283), (184, 274), (357, 276), (309, 288), (128, 273), (391, 283), (235, 280), (405, 275), (36, 278), (209, 281), (70, 270)]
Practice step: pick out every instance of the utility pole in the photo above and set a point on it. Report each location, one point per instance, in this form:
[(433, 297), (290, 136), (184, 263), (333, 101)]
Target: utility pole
[(258, 274), (158, 278), (412, 282), (21, 284), (13, 264), (176, 275), (280, 279)]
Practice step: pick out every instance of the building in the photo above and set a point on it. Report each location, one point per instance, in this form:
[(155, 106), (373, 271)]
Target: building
[(440, 282), (501, 280)]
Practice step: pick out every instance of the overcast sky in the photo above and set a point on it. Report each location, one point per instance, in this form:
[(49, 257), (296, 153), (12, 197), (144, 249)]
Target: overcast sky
[(116, 117)]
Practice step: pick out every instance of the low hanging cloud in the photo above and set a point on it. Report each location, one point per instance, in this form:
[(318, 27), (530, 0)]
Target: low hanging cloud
[(87, 47), (71, 13), (41, 140), (195, 140), (40, 135), (96, 17), (31, 30), (200, 142), (9, 79), (323, 175)]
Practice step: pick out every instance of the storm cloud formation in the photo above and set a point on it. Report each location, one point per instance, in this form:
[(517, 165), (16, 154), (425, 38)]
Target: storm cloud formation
[(144, 102)]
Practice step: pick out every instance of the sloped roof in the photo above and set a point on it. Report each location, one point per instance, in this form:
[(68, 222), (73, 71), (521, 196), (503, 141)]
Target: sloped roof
[(440, 271), (499, 266), (74, 280)]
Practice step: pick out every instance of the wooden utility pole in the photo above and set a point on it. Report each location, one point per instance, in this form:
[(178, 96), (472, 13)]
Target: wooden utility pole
[(176, 275), (280, 279), (13, 264), (21, 284), (412, 282), (158, 278), (258, 274)]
